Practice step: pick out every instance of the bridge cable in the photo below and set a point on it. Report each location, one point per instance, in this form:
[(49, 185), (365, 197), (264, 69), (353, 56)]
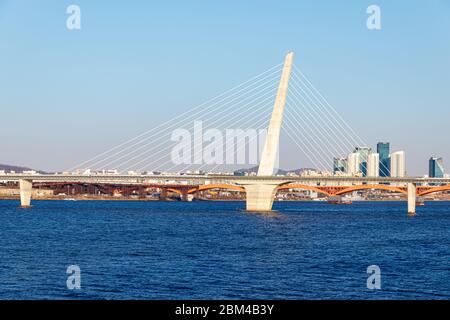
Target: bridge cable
[(181, 116), (165, 142)]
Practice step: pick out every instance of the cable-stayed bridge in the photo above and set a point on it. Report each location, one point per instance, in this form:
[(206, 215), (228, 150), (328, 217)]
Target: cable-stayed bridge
[(304, 115)]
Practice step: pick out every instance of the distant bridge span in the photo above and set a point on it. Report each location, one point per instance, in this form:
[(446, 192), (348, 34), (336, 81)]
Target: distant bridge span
[(422, 191), (192, 187), (225, 186)]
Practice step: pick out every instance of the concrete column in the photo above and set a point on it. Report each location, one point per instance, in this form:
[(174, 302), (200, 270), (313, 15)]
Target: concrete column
[(259, 197), (411, 199), (270, 150), (186, 196), (163, 194), (26, 187)]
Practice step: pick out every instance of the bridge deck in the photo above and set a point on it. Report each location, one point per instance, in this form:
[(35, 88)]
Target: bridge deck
[(202, 179)]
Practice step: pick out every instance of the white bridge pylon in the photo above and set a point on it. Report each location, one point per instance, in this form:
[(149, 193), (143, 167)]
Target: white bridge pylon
[(260, 195)]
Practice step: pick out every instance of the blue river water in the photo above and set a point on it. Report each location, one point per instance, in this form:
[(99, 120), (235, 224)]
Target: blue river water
[(215, 250)]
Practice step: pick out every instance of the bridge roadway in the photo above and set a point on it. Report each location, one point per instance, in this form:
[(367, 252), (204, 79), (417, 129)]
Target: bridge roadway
[(213, 178), (328, 185)]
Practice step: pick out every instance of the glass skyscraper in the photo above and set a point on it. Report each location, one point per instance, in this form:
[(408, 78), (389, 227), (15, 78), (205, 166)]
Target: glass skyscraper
[(339, 165), (383, 149), (436, 167), (363, 153)]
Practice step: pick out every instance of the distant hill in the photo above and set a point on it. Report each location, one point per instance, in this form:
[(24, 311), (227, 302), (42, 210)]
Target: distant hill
[(18, 169), (242, 172), (295, 171)]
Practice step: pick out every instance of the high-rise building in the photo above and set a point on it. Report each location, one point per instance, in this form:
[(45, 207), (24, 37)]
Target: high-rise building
[(353, 162), (436, 167), (339, 165), (363, 155), (398, 167), (373, 165), (383, 150)]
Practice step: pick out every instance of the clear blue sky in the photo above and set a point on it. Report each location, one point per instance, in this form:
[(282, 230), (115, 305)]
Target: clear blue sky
[(68, 95)]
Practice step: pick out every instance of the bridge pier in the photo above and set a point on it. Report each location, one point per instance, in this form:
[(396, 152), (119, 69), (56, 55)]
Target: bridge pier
[(259, 196), (186, 196), (163, 194), (26, 188), (411, 199)]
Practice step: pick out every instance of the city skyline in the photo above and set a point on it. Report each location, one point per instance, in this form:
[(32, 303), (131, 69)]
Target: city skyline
[(382, 163), (54, 82)]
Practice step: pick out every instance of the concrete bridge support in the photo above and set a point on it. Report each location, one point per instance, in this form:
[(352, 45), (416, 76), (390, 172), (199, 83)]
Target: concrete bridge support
[(26, 188), (259, 196), (270, 151), (411, 199), (163, 194), (186, 196)]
